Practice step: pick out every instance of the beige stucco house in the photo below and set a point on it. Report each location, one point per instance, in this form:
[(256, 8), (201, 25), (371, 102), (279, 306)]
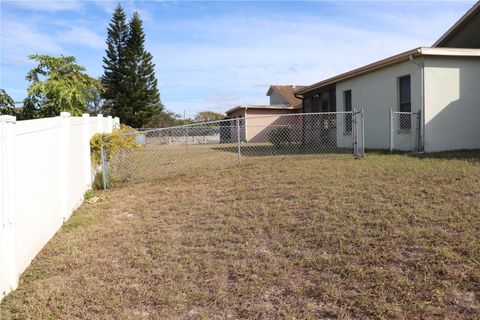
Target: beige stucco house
[(258, 120), (441, 82)]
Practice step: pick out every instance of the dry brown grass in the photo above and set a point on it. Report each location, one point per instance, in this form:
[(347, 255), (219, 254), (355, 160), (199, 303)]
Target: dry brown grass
[(154, 161), (390, 237)]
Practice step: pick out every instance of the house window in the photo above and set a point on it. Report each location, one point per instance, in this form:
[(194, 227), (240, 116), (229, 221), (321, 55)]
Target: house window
[(333, 99), (347, 103), (307, 105), (405, 102), (316, 103)]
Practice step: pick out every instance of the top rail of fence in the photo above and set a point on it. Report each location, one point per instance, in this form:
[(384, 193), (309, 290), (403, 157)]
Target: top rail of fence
[(402, 112), (217, 122)]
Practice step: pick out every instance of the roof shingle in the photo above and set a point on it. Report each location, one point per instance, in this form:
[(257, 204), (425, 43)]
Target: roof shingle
[(287, 93)]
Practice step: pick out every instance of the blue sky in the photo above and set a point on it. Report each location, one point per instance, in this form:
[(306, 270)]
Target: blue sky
[(215, 55)]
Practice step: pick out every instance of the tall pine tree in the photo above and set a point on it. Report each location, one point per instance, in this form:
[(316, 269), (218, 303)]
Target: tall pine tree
[(114, 66), (143, 96)]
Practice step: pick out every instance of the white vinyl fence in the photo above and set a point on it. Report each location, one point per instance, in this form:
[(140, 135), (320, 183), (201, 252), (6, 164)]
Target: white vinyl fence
[(45, 169)]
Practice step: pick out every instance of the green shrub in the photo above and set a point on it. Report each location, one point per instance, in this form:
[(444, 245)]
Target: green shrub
[(279, 136), (88, 195), (97, 183), (123, 138)]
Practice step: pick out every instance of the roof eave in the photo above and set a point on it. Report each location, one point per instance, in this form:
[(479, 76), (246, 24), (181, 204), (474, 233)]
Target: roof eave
[(458, 25), (270, 89), (271, 107), (362, 70)]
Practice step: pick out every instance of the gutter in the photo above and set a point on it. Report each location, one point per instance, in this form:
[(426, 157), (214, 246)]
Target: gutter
[(405, 56), (422, 115), (363, 70), (300, 98)]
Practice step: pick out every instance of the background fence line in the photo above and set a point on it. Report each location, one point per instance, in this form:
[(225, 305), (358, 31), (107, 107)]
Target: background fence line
[(45, 169), (222, 144)]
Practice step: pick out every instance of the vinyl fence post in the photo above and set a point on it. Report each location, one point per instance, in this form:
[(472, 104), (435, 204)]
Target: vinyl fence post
[(109, 125), (238, 142), (104, 164), (87, 161), (100, 128), (64, 164), (8, 274), (116, 123), (391, 130)]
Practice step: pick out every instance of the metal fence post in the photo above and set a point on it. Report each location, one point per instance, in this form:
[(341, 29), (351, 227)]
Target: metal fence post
[(391, 130), (238, 142), (354, 131), (419, 134), (362, 123), (104, 164)]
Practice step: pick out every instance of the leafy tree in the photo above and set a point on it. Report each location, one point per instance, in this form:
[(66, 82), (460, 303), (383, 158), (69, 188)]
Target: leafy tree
[(31, 108), (58, 84), (114, 64), (204, 116), (143, 98), (182, 122), (95, 103), (164, 119), (7, 106)]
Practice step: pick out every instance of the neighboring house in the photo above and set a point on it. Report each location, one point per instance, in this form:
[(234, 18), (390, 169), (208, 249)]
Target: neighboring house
[(442, 82), (258, 120)]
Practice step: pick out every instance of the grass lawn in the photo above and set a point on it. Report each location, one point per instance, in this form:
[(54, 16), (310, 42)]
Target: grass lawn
[(390, 236), (159, 161)]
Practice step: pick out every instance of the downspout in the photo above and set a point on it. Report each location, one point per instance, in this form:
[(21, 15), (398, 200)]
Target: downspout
[(296, 96), (300, 98), (422, 79)]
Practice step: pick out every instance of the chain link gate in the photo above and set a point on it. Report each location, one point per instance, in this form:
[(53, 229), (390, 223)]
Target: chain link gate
[(358, 134), (166, 152), (405, 131)]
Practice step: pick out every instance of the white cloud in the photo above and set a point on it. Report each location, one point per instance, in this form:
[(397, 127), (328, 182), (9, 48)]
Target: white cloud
[(82, 36), (46, 5), (129, 6), (220, 60), (107, 6), (18, 40), (224, 73)]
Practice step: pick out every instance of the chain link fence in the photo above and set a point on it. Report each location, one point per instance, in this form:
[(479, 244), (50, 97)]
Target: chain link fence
[(168, 152), (405, 131)]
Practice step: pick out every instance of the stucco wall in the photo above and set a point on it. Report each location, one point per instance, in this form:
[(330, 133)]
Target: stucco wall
[(452, 103), (260, 121), (376, 93), (275, 98)]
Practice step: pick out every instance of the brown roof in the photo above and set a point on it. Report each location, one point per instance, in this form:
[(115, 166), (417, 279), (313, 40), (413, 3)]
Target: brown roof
[(287, 93), (259, 106)]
